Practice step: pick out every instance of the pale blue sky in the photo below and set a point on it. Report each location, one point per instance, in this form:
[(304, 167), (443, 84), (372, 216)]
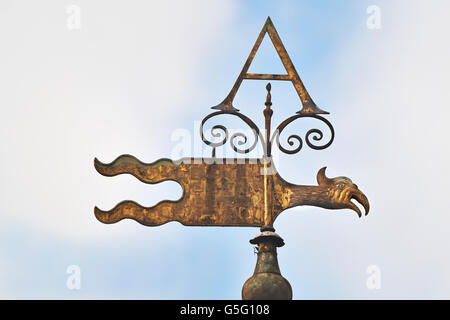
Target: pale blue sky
[(137, 71)]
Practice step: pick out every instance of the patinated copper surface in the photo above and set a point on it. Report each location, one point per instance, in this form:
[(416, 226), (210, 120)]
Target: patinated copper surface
[(224, 192), (267, 283)]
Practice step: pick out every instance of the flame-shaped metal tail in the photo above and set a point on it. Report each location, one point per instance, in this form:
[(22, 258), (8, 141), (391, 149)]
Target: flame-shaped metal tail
[(159, 214), (155, 172), (158, 171)]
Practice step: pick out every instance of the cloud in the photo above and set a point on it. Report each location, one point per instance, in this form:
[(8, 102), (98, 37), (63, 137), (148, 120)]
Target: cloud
[(114, 86), (390, 112), (101, 91)]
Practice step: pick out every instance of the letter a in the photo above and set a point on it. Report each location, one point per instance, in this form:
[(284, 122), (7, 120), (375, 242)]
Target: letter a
[(309, 107)]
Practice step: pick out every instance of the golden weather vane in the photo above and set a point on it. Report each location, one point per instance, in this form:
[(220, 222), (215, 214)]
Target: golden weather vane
[(240, 192)]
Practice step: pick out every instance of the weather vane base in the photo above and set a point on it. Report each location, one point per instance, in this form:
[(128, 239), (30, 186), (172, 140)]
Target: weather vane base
[(267, 283)]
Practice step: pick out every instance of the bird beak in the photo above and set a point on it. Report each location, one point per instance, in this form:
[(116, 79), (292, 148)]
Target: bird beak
[(362, 199)]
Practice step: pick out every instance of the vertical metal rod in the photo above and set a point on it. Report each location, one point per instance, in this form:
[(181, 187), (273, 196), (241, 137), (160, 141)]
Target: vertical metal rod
[(267, 158), (268, 117)]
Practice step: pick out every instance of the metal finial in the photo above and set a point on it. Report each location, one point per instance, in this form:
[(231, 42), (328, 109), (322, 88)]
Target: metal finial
[(269, 96), (267, 283), (268, 116)]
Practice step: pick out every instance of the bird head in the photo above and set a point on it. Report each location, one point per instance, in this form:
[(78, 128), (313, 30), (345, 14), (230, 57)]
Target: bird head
[(341, 191)]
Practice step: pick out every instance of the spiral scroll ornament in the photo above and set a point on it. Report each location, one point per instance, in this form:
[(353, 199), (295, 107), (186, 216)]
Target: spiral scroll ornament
[(294, 139), (237, 139)]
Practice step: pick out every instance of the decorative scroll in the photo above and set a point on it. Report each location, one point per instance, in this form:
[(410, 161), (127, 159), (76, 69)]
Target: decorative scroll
[(234, 139), (316, 134), (311, 135)]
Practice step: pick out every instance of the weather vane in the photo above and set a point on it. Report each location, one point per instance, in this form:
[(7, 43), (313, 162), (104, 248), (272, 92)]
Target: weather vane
[(240, 192)]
